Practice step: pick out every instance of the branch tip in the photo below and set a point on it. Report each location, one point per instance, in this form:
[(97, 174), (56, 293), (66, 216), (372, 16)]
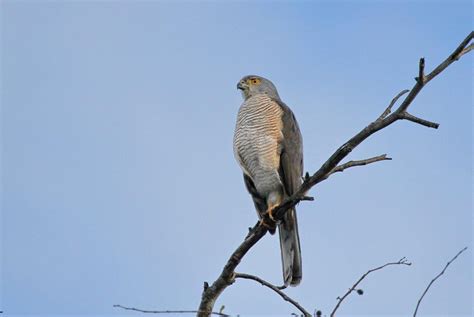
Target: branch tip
[(408, 116), (435, 278), (421, 72)]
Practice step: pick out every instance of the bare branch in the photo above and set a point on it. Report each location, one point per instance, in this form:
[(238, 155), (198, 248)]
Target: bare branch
[(434, 279), (421, 72), (169, 311), (392, 103), (426, 123), (276, 289), (458, 52), (462, 49), (372, 128), (350, 164), (402, 261), (466, 50), (212, 292)]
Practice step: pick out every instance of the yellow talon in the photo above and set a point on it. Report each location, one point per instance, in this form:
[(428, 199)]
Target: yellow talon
[(270, 214)]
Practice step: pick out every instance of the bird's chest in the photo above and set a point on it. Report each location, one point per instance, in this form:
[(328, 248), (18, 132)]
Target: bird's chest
[(257, 135)]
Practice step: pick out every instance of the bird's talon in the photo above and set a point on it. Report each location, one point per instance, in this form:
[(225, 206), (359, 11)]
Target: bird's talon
[(270, 215)]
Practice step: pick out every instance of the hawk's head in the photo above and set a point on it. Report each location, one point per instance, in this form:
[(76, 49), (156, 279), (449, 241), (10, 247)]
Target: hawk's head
[(252, 85)]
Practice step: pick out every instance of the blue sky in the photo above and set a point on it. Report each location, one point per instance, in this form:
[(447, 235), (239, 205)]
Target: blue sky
[(119, 184)]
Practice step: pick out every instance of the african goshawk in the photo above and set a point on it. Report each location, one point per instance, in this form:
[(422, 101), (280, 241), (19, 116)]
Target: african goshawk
[(269, 148)]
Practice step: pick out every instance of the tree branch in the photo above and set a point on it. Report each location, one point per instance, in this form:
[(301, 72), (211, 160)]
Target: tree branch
[(372, 128), (412, 118), (167, 311), (212, 292), (276, 289), (402, 261), (392, 103), (434, 279), (342, 167), (462, 49), (421, 71)]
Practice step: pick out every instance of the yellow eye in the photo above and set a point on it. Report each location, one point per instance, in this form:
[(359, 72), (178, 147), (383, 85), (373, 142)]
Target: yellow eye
[(254, 81)]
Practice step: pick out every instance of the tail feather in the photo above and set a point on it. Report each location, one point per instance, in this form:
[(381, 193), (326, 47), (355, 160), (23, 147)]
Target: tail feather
[(290, 249)]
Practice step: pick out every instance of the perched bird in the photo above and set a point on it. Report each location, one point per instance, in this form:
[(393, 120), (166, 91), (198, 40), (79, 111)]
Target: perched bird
[(269, 148)]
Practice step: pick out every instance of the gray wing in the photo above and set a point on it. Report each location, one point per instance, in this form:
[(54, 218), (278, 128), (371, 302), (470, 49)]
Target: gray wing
[(291, 172), (291, 158)]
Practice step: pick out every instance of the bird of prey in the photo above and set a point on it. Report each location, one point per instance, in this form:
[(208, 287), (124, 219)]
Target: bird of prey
[(269, 148)]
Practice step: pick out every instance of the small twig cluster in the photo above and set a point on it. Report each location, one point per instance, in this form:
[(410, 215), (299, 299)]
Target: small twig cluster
[(402, 261)]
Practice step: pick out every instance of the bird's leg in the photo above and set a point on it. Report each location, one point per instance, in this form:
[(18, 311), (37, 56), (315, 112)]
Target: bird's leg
[(266, 218), (274, 199), (270, 212)]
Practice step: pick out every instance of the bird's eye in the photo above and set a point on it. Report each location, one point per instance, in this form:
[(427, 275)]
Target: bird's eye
[(255, 81)]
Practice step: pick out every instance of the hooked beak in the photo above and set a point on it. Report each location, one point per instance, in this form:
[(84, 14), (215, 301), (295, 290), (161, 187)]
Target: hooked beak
[(240, 86)]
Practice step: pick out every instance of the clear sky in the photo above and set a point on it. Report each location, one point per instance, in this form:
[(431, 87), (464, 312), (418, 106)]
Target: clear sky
[(119, 184)]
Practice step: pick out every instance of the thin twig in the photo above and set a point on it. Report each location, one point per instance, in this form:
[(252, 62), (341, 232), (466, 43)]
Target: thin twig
[(350, 164), (462, 49), (169, 311), (392, 103), (402, 261), (421, 71), (426, 123), (434, 279), (276, 289), (466, 50)]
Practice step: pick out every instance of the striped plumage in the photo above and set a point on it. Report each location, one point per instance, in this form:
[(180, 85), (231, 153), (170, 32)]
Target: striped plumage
[(269, 149), (256, 141)]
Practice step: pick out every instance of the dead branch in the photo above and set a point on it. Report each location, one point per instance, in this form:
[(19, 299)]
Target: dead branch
[(426, 123), (342, 167), (402, 261), (392, 103), (434, 279), (276, 289), (168, 311), (212, 292)]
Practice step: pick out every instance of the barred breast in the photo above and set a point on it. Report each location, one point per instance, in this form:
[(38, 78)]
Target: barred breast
[(256, 141)]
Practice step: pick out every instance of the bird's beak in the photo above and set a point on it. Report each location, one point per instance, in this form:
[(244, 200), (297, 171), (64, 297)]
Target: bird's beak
[(240, 86)]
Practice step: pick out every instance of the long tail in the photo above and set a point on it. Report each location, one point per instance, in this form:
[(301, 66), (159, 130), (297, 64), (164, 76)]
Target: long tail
[(290, 249)]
